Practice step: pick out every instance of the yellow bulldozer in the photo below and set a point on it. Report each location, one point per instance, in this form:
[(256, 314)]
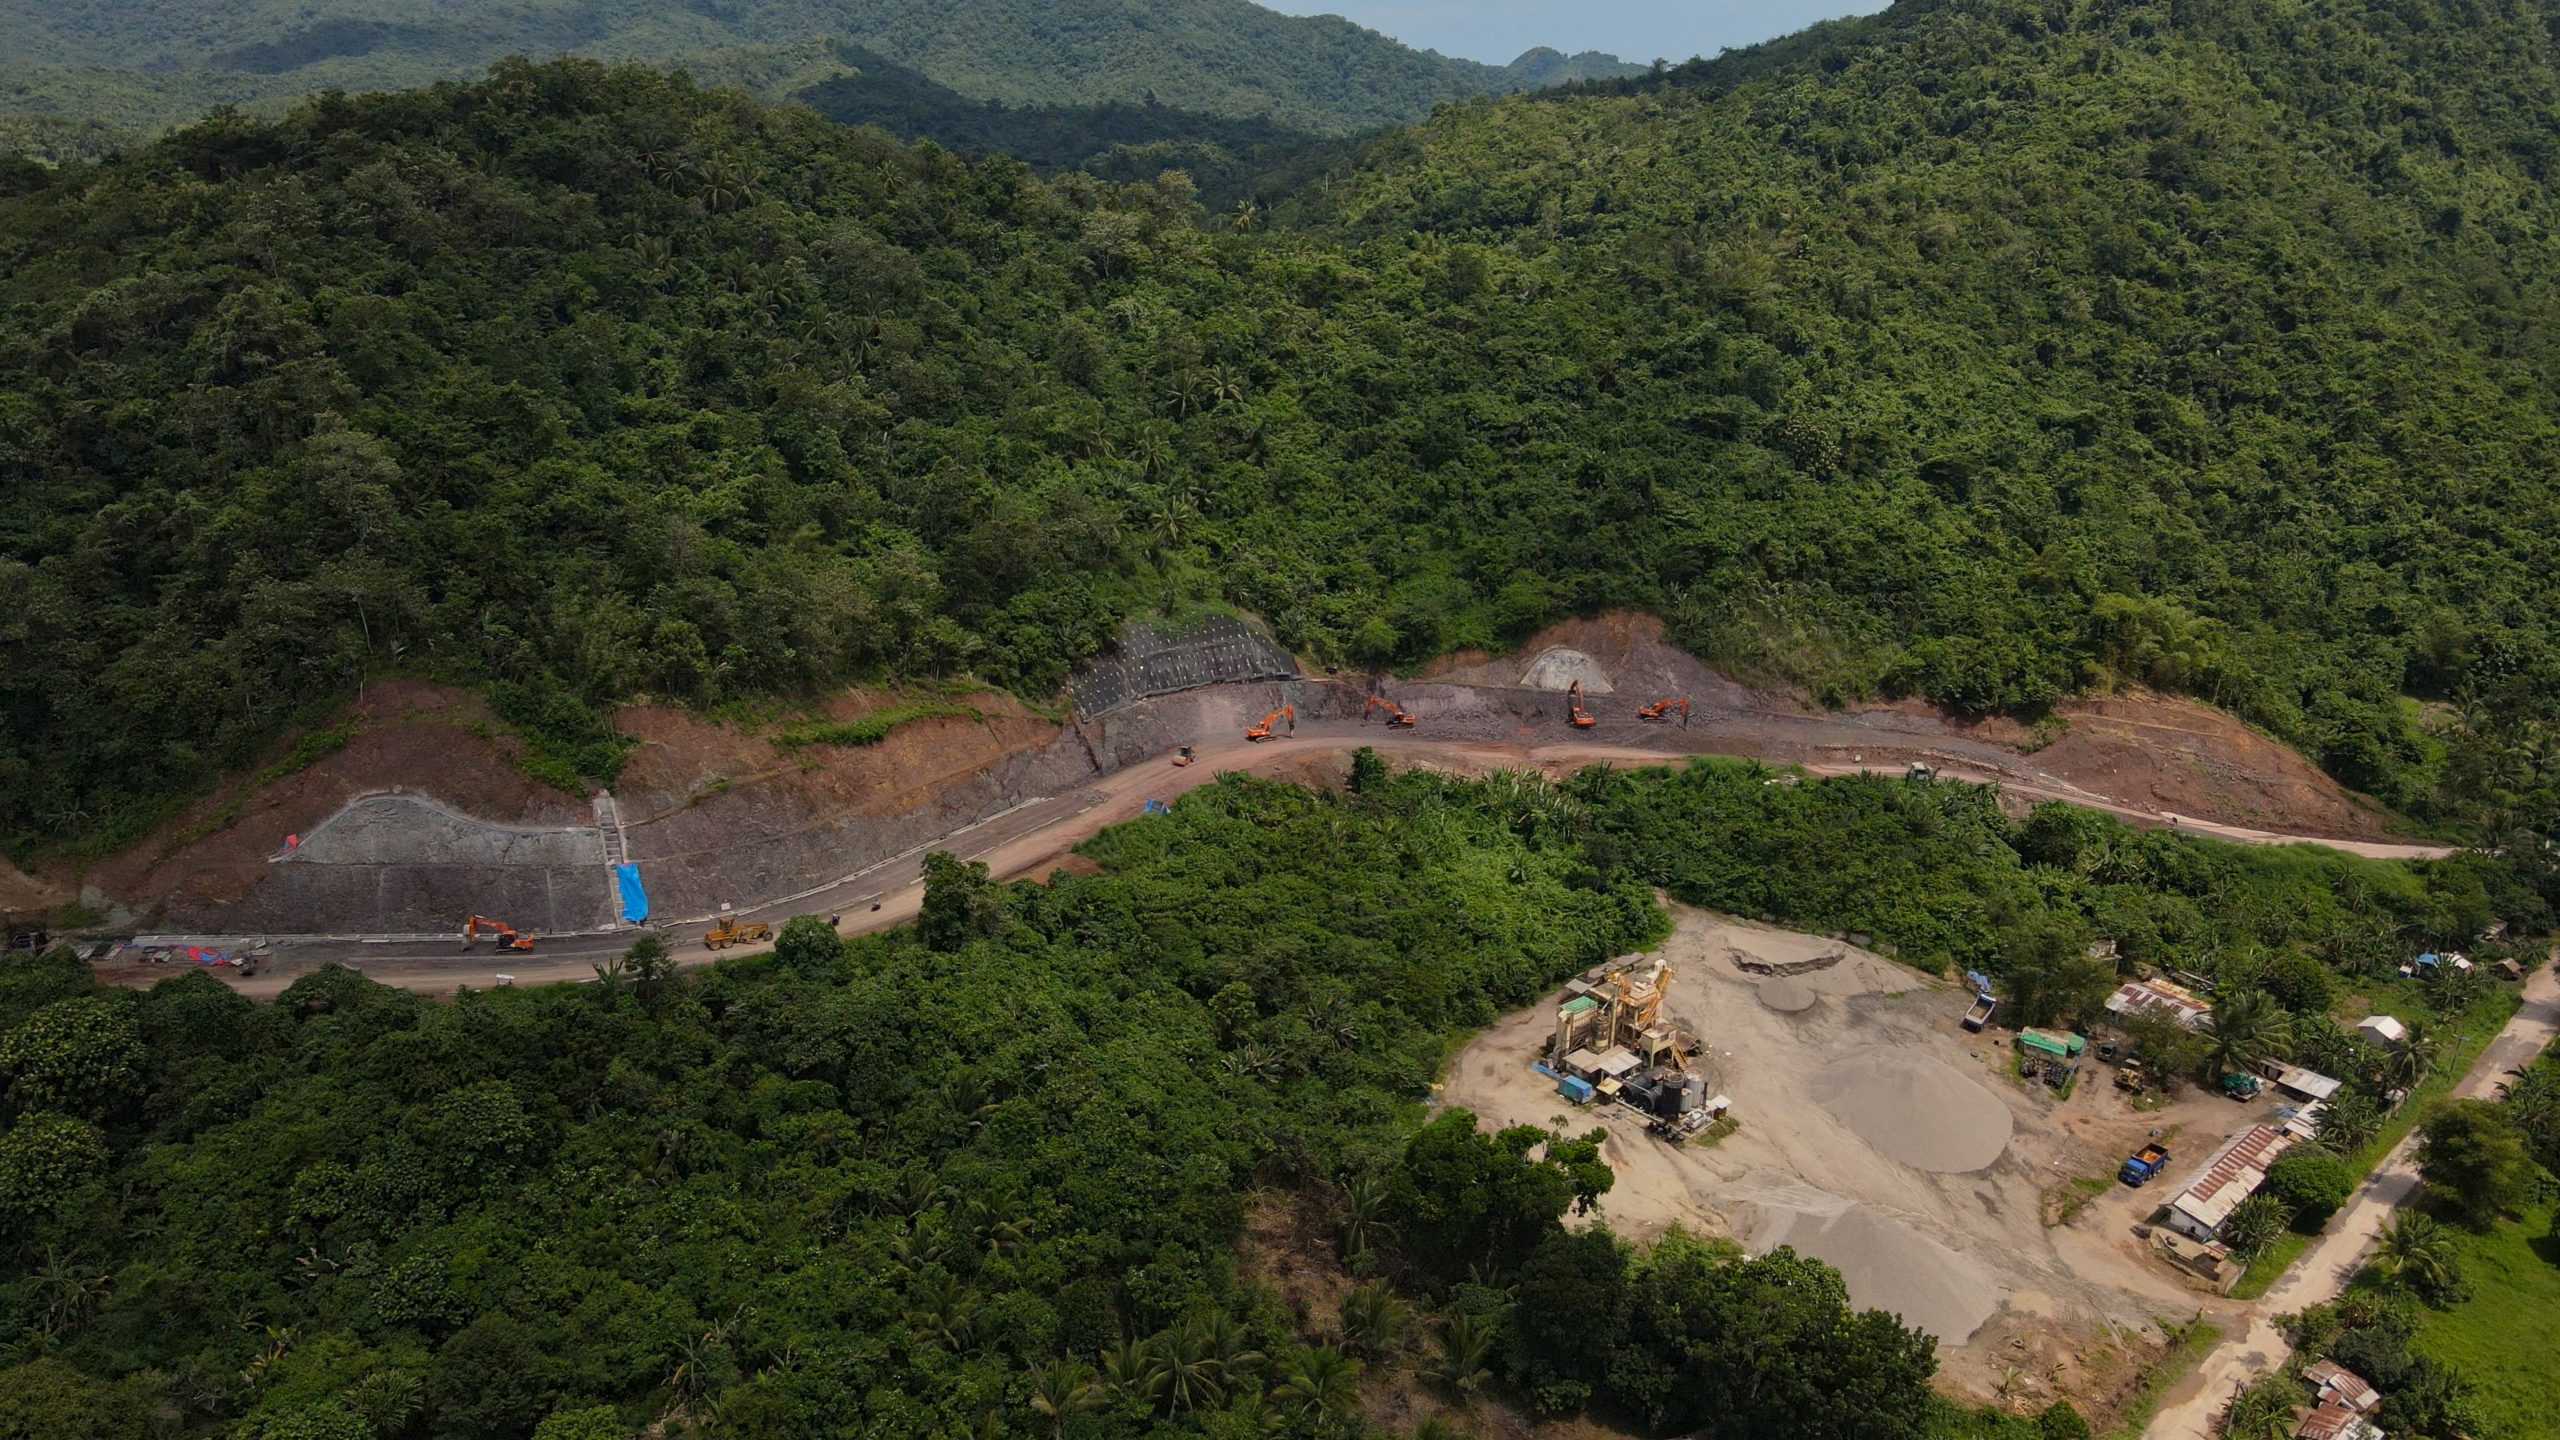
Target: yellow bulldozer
[(730, 930)]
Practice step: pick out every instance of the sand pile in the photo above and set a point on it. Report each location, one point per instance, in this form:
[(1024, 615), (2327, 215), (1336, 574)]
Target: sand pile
[(1887, 1264), (1915, 1109), (1787, 996)]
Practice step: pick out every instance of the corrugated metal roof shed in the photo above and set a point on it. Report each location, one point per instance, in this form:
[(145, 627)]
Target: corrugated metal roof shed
[(2231, 1176)]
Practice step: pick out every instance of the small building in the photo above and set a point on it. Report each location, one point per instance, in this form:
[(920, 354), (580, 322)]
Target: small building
[(2304, 1124), (2334, 1384), (2055, 1043), (2208, 1260), (2511, 969), (1615, 1063), (2231, 1176), (2336, 1422), (2134, 996), (2383, 1030), (2302, 1084)]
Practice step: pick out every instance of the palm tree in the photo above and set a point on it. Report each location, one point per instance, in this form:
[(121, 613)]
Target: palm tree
[(1373, 1320), (2349, 1122), (1320, 1383), (1465, 1352), (1129, 1371), (2245, 1029), (2417, 1251), (943, 1308), (1062, 1390), (2254, 1224), (1364, 1215), (1187, 1371), (2408, 1062)]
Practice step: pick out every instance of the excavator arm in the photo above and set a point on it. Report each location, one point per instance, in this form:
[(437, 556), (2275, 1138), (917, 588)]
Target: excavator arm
[(1288, 713)]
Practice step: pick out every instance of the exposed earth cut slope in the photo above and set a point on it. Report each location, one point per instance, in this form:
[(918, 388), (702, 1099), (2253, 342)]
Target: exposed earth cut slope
[(1977, 352), (424, 814)]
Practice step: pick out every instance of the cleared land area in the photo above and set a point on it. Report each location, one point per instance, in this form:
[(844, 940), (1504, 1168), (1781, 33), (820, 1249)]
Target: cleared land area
[(1880, 1137)]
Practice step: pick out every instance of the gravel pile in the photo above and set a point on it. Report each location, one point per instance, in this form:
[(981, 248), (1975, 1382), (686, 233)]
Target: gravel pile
[(1887, 1264), (1785, 995), (1915, 1109)]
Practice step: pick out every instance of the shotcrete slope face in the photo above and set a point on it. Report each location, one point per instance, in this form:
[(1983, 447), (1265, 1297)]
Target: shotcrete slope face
[(1558, 668), (1915, 1109)]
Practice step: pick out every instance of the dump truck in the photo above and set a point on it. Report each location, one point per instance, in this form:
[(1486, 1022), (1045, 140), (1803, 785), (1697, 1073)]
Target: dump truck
[(2143, 1164), (732, 931), (1980, 1015)]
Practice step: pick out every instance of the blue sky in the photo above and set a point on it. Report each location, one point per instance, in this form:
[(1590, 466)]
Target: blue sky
[(1498, 30)]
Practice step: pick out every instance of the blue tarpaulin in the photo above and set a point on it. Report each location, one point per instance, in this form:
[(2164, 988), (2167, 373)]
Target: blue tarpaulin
[(635, 901)]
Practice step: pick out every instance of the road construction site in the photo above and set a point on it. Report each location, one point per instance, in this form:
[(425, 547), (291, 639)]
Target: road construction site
[(375, 855)]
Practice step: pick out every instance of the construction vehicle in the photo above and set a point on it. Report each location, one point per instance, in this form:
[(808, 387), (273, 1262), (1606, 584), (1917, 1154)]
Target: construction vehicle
[(2144, 1165), (1661, 710), (1397, 716), (1262, 731), (1183, 757), (2131, 1079), (1582, 719), (507, 936), (1984, 1002), (729, 930)]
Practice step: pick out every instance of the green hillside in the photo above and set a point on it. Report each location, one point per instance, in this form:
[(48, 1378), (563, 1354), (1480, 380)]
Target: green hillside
[(1973, 352), (143, 63)]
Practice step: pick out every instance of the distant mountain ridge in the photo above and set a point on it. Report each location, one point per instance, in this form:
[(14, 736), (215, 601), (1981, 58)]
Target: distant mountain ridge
[(144, 63)]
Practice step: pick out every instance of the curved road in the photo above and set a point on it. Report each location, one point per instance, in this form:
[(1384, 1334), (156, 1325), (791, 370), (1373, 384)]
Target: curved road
[(1024, 839)]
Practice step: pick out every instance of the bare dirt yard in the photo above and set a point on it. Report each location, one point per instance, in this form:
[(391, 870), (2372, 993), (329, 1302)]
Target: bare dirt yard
[(1880, 1137)]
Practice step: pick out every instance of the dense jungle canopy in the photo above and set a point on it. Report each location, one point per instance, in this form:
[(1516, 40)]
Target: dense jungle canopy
[(986, 1175), (1982, 351)]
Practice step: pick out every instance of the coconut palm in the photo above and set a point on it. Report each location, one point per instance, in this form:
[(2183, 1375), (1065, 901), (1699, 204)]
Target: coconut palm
[(2245, 1029), (1364, 1215), (1320, 1383), (1130, 1371), (2417, 1251), (1373, 1320), (2349, 1122), (1188, 1372), (1062, 1390), (1463, 1358), (2408, 1062), (2254, 1224)]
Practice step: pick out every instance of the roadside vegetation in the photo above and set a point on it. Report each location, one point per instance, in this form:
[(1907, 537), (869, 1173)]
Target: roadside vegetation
[(1868, 376), (988, 1172)]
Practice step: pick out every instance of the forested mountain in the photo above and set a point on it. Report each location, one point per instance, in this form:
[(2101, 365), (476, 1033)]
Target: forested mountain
[(1979, 351), (144, 62)]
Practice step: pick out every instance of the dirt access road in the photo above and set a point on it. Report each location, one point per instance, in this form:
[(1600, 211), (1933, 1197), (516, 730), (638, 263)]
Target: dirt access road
[(2325, 1270), (1032, 835)]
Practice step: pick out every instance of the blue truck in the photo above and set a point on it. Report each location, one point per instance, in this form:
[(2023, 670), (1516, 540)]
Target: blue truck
[(2143, 1164)]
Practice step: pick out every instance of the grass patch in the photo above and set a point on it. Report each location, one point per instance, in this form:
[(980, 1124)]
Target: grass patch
[(2187, 1348), (2499, 1339), (871, 729), (2465, 1036), (2072, 1196)]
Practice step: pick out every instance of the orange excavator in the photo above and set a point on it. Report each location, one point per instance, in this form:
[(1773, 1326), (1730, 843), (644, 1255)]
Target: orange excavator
[(1661, 710), (1262, 731), (1582, 719), (1397, 716), (507, 936)]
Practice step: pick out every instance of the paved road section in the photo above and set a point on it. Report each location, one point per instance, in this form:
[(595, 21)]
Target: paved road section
[(2194, 1407), (1023, 838)]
